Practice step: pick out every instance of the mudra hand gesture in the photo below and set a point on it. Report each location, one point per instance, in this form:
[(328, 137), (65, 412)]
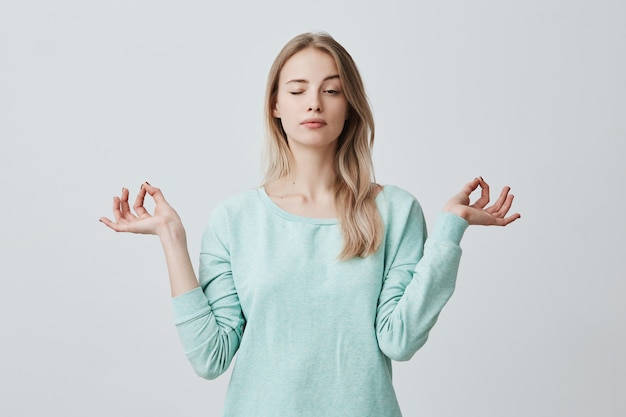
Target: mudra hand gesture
[(494, 215), (141, 221)]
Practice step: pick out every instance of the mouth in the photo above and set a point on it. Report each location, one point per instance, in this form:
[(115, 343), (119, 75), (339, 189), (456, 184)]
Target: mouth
[(313, 123)]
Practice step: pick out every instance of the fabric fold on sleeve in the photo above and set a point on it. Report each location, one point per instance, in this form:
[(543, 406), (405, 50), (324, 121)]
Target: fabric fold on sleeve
[(189, 306)]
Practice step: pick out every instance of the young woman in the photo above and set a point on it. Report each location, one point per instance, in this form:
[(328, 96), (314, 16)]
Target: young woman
[(321, 277)]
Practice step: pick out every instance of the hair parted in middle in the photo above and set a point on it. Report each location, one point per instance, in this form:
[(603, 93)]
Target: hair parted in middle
[(355, 191)]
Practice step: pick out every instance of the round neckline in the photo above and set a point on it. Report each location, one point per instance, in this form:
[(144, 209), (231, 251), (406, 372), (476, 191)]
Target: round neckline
[(290, 216), (267, 200)]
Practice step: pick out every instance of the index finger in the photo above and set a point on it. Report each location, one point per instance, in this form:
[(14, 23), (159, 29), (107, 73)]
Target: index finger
[(154, 192), (484, 194)]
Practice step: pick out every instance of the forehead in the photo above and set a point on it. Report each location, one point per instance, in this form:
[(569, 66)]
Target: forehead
[(309, 64)]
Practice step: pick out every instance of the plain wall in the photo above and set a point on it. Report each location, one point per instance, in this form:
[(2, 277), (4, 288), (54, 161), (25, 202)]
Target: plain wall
[(99, 95)]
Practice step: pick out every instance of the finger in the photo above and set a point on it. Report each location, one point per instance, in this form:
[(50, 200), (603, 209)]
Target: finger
[(138, 206), (484, 194), (109, 223), (502, 199), (124, 207), (469, 187), (505, 207), (155, 193), (508, 220), (118, 227), (116, 209)]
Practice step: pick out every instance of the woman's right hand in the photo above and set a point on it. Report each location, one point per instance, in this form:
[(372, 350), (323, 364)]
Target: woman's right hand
[(165, 217)]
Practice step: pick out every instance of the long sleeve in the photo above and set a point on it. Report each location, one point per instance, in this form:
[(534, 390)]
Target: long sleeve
[(420, 278), (209, 319)]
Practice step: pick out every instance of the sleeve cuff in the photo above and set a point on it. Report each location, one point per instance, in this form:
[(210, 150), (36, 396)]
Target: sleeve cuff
[(449, 227), (190, 305)]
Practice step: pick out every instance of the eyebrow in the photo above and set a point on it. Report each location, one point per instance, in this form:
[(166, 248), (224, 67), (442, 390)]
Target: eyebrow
[(330, 77)]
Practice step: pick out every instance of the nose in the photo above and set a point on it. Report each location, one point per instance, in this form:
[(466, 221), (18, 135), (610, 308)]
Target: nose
[(315, 104)]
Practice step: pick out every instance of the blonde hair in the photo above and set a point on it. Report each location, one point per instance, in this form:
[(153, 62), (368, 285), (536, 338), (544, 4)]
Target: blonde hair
[(355, 192)]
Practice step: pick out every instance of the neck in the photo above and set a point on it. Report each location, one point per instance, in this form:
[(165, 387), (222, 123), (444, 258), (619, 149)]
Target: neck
[(313, 173)]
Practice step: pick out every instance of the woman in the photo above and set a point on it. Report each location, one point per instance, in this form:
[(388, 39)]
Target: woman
[(330, 274)]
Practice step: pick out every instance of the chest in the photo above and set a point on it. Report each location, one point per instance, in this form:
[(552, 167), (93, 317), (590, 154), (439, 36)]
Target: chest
[(292, 266)]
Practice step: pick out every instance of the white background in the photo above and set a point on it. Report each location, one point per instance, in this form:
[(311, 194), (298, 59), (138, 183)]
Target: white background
[(103, 94)]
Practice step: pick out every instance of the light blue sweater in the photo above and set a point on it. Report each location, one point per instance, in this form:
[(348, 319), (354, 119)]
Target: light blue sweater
[(315, 336)]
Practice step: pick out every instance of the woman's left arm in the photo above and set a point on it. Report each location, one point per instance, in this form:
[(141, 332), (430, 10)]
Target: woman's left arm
[(413, 295)]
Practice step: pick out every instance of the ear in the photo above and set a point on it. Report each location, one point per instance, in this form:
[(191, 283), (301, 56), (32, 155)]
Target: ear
[(276, 112)]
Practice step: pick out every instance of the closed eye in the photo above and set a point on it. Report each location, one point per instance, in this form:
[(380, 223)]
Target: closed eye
[(332, 92)]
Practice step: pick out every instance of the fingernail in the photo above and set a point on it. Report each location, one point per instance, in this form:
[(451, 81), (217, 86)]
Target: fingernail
[(141, 188), (481, 178), (148, 183)]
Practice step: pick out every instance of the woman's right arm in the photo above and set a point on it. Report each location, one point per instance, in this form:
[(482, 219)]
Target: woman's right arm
[(208, 317)]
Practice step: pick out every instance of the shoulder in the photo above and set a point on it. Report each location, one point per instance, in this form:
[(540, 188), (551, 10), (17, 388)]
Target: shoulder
[(400, 212), (402, 217), (235, 206), (395, 201), (228, 215)]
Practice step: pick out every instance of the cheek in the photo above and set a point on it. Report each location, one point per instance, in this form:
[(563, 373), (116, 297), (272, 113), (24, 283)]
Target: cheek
[(284, 106), (343, 112)]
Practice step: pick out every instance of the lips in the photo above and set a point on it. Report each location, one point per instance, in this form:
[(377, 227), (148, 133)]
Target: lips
[(313, 123)]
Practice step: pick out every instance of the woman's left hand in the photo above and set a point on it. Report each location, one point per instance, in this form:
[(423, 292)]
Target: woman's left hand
[(476, 213)]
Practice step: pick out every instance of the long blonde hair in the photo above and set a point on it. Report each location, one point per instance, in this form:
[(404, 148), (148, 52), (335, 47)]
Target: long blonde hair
[(355, 191)]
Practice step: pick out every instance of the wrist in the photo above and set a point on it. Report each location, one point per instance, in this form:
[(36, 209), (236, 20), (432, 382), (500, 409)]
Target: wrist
[(459, 210), (172, 231)]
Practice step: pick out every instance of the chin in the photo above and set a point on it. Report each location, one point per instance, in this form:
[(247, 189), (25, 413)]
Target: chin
[(314, 139), (313, 143)]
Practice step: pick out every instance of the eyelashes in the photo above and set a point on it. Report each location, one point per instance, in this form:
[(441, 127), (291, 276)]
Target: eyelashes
[(330, 92)]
